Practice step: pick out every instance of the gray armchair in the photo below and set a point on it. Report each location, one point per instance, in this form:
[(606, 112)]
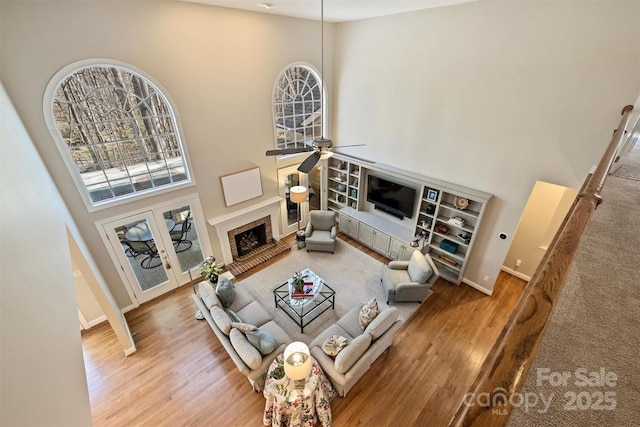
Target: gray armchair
[(409, 280), (320, 234)]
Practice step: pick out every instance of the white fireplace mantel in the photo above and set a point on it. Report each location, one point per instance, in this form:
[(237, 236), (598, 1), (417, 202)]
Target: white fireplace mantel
[(224, 223)]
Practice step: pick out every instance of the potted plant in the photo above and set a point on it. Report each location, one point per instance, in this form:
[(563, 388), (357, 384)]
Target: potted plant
[(298, 281), (210, 270), (277, 373)]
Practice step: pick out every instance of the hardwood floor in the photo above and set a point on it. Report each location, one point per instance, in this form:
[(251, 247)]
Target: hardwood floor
[(181, 374)]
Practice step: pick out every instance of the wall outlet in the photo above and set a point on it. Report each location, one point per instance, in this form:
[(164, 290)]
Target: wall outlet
[(486, 278), (518, 262)]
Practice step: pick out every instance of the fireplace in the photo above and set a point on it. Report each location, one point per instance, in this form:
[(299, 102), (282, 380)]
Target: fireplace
[(265, 212), (251, 239)]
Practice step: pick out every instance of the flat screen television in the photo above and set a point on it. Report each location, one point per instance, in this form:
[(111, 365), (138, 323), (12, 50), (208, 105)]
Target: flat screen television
[(391, 197)]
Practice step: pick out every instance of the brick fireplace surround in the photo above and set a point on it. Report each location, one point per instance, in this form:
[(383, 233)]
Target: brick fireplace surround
[(227, 226)]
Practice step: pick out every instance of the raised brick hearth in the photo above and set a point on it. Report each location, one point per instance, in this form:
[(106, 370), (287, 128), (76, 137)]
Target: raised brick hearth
[(270, 249)]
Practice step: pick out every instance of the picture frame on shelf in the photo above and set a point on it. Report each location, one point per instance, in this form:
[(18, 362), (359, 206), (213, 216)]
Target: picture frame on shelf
[(432, 195)]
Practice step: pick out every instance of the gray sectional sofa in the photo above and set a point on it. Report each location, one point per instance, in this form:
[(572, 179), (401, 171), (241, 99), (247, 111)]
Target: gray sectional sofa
[(344, 370), (363, 348), (249, 360)]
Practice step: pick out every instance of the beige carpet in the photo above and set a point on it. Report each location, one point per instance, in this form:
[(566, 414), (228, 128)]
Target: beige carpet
[(595, 324), (354, 275), (630, 168)]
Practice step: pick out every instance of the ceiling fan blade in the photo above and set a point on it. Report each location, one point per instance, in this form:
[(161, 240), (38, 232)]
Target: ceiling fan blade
[(309, 163), (344, 146), (284, 151)]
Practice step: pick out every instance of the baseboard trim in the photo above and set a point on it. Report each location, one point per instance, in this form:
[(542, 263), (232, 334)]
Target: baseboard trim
[(128, 308), (477, 287), (96, 321), (515, 273), (129, 351)]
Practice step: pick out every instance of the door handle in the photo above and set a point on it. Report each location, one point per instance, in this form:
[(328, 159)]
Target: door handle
[(166, 261)]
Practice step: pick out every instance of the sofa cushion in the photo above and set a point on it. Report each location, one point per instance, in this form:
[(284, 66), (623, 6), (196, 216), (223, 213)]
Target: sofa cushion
[(382, 322), (332, 345), (208, 294), (243, 327), (278, 333), (247, 352), (221, 319), (225, 291), (254, 313), (368, 312), (263, 341), (419, 269), (352, 352), (350, 322)]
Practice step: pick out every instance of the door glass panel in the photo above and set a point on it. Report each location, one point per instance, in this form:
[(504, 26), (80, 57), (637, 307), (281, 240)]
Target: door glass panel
[(291, 180), (139, 245), (184, 237)]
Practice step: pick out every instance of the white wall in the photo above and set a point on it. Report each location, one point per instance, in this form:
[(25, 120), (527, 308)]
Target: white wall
[(492, 95), (43, 380), (218, 65)]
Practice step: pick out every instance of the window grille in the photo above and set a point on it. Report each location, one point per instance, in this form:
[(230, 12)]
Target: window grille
[(297, 107), (119, 131)]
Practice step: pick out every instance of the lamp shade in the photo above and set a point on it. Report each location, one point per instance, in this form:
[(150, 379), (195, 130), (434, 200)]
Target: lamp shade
[(298, 194), (297, 360)]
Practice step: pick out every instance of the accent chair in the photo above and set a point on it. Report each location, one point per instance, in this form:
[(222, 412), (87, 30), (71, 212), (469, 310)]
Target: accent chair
[(320, 234), (409, 280)]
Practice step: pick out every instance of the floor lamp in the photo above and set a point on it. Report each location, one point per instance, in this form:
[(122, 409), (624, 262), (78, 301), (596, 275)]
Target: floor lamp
[(297, 195)]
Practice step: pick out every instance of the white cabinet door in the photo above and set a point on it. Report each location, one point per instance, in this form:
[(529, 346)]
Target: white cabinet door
[(381, 242), (400, 250), (349, 226), (366, 234)]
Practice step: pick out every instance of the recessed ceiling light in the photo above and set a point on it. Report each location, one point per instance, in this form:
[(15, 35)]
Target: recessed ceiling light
[(266, 5)]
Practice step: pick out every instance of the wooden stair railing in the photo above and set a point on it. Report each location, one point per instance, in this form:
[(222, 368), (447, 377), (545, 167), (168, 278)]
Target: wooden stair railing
[(506, 367)]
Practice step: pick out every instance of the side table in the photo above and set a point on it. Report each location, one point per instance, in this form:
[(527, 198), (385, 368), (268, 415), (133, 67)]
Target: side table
[(302, 403)]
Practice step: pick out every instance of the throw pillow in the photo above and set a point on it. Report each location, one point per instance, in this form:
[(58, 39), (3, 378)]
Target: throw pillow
[(419, 269), (225, 291), (333, 345), (352, 353), (221, 319), (208, 294), (243, 327), (248, 353), (234, 317), (368, 312), (263, 341)]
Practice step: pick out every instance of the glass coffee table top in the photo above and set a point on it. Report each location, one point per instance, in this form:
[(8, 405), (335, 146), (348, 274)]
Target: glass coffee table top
[(305, 309)]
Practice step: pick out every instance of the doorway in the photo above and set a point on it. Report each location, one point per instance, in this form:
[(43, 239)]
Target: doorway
[(290, 177), (543, 214), (156, 250)]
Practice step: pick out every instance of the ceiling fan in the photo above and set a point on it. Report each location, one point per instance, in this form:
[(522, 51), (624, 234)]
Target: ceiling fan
[(322, 147)]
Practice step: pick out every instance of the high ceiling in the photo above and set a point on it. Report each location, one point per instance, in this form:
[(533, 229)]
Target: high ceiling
[(334, 10)]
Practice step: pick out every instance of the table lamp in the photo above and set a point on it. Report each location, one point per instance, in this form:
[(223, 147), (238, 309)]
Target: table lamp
[(297, 361)]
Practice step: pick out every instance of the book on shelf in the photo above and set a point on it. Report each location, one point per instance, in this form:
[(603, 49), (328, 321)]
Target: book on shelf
[(306, 292)]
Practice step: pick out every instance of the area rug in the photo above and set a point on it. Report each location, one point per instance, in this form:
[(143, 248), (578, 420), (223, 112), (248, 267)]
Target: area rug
[(354, 275)]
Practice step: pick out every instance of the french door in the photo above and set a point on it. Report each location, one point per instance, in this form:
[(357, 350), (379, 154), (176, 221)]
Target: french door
[(156, 250)]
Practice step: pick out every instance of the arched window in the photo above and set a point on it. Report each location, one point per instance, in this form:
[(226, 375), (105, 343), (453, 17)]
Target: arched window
[(297, 107), (117, 132)]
